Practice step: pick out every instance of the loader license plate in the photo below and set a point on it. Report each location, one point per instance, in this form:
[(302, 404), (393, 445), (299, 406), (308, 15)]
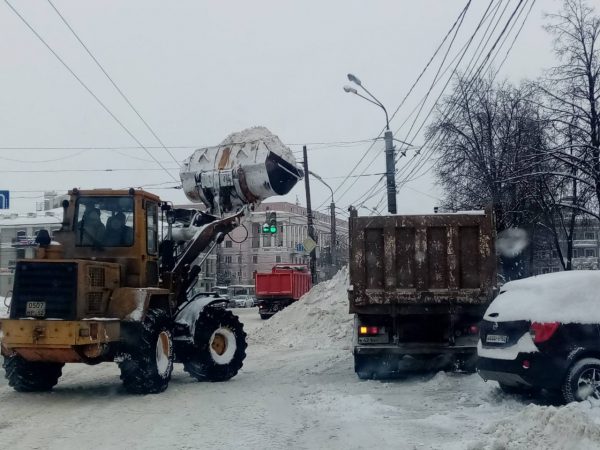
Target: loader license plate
[(35, 309), (496, 339)]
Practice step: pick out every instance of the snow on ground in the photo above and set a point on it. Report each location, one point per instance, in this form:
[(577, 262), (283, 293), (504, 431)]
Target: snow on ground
[(319, 320), (3, 307), (295, 391)]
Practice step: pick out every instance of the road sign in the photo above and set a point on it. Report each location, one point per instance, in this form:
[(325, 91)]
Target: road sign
[(309, 244), (4, 200)]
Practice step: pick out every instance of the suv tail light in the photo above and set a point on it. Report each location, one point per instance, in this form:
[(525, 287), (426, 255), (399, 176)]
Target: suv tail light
[(541, 332)]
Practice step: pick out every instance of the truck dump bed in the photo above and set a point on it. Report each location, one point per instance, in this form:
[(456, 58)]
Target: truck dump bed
[(289, 282), (413, 260)]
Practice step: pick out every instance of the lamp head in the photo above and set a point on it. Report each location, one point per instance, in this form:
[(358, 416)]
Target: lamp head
[(350, 89), (354, 79)]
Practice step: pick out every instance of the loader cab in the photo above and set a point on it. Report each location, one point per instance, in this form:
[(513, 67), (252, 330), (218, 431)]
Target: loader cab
[(113, 226)]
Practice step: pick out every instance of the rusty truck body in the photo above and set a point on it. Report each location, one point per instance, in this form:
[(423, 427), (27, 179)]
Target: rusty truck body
[(419, 285)]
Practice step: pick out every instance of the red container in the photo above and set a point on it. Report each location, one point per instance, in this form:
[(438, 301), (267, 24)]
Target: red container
[(289, 281)]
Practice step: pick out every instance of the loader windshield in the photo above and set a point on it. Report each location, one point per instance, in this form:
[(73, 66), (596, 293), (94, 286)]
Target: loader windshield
[(104, 222)]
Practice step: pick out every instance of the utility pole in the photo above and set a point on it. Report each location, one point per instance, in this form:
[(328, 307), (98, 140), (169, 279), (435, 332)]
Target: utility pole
[(309, 217), (390, 170), (333, 224), (332, 244), (390, 162)]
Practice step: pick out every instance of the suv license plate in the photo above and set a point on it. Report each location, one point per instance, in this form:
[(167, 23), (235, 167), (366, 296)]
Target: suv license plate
[(35, 309), (496, 339)]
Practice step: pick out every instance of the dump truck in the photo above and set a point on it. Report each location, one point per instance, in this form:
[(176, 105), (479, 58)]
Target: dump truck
[(419, 286), (281, 287), (116, 282)]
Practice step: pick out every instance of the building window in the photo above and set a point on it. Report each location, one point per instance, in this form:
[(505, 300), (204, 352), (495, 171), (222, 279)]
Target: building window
[(228, 259), (255, 235), (255, 259), (239, 259), (590, 253), (266, 240), (278, 259), (228, 244), (545, 270), (590, 236)]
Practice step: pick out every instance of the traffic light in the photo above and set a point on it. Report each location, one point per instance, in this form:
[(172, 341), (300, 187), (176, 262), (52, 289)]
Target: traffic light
[(270, 226)]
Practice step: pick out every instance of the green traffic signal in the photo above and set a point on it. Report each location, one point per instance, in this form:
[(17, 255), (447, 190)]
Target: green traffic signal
[(273, 229), (266, 228)]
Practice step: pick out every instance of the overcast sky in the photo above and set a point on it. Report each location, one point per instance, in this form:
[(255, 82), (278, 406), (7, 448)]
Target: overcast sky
[(199, 70)]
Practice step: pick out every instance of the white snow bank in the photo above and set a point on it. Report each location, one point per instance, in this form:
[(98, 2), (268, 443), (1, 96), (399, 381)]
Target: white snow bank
[(567, 297), (3, 308), (574, 426), (319, 320)]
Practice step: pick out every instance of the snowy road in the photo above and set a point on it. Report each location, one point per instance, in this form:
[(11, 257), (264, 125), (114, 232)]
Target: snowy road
[(286, 397)]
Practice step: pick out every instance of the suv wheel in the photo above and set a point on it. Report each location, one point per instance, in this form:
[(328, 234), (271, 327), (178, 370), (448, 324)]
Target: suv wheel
[(582, 381)]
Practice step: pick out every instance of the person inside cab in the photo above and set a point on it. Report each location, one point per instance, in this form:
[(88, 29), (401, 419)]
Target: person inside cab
[(118, 234), (90, 228)]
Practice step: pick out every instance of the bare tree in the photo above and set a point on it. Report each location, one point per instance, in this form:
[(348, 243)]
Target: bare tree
[(493, 132), (573, 100)]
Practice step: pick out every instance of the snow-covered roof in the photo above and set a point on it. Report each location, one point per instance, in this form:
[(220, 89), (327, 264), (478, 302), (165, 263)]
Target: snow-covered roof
[(566, 297), (9, 218)]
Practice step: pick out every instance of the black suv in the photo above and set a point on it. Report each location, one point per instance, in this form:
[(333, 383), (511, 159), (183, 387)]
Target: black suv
[(524, 357), (543, 332)]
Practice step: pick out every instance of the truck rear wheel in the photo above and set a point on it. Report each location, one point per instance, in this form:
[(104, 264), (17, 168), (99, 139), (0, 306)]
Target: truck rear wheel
[(31, 376), (265, 316), (219, 346), (368, 367), (148, 362)]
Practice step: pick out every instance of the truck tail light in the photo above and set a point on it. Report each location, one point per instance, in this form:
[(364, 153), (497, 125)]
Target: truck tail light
[(363, 330), (473, 329), (541, 332)]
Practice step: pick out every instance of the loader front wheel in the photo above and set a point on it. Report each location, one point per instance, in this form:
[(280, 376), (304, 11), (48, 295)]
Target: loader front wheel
[(219, 346), (148, 359), (31, 376)]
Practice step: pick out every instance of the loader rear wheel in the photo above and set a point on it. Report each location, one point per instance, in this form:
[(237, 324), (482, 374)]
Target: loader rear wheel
[(219, 346), (148, 360), (31, 376)]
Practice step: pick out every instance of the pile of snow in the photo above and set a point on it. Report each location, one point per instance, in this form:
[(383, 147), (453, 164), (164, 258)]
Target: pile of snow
[(3, 308), (319, 320), (567, 297), (576, 425), (256, 136)]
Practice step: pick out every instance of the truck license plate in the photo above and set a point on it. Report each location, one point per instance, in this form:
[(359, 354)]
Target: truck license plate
[(35, 309), (496, 339)]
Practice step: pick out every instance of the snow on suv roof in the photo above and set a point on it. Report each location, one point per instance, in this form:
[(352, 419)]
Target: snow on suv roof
[(566, 297)]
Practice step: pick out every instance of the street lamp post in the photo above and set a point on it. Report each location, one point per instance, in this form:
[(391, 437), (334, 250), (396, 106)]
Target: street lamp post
[(333, 224), (390, 163)]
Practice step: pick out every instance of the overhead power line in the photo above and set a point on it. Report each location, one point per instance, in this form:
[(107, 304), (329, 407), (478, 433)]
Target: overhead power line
[(85, 86), (456, 24), (113, 82)]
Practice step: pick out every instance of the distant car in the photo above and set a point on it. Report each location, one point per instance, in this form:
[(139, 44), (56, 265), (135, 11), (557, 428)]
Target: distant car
[(243, 301), (543, 332)]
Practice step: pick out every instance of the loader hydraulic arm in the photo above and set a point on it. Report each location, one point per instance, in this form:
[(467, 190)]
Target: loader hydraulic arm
[(179, 274)]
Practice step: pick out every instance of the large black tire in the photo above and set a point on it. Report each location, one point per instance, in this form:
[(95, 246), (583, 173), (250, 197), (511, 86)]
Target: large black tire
[(31, 376), (265, 316), (582, 381), (148, 355), (466, 363), (368, 367), (219, 346)]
